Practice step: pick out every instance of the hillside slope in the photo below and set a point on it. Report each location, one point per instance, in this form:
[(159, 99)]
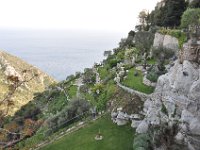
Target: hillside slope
[(14, 66)]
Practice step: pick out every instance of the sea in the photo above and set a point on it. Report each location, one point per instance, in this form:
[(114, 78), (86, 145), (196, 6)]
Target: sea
[(59, 53)]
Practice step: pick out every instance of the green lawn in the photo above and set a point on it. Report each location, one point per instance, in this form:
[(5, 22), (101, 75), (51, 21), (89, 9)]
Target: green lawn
[(135, 82), (114, 137)]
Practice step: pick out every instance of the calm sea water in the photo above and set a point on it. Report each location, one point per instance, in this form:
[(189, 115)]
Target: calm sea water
[(59, 53)]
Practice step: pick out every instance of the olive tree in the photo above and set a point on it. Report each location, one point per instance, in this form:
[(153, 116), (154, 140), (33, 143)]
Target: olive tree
[(191, 19)]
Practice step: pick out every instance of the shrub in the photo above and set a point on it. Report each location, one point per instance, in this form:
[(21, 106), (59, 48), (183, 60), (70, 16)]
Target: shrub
[(152, 76), (77, 106), (84, 88), (70, 78), (97, 89), (191, 18), (112, 63), (89, 76), (142, 142), (68, 115)]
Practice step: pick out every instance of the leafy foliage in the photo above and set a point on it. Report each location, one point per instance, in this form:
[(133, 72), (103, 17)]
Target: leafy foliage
[(144, 21), (191, 18), (127, 42), (75, 107), (152, 74), (89, 76), (169, 14)]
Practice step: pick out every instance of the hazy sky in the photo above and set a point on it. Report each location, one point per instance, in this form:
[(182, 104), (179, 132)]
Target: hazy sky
[(72, 14)]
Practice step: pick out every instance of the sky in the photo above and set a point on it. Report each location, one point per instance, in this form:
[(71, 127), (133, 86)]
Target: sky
[(116, 15)]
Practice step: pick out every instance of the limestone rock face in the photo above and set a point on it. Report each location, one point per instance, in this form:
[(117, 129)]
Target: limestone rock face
[(170, 42), (165, 41), (181, 81), (158, 40), (191, 52), (179, 92), (142, 127)]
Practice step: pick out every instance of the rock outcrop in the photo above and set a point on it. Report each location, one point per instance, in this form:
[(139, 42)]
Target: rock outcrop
[(191, 51), (165, 41), (176, 100)]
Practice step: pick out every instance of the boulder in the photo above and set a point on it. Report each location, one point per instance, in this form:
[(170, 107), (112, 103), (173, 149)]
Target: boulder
[(179, 138), (142, 127), (135, 123), (170, 42), (187, 116), (135, 116), (165, 41), (158, 40), (147, 104), (120, 118), (121, 122), (194, 126), (10, 71), (114, 114), (190, 52)]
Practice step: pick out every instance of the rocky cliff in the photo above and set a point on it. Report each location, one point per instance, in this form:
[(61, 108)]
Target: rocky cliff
[(165, 41), (176, 100), (13, 66)]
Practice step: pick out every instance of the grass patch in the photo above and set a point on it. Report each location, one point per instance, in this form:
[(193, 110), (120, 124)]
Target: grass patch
[(103, 72), (151, 61), (135, 82), (114, 137), (72, 91)]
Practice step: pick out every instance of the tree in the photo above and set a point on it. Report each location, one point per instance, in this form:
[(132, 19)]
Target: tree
[(143, 42), (127, 42), (89, 76), (168, 13), (144, 19), (77, 106), (191, 19), (173, 11)]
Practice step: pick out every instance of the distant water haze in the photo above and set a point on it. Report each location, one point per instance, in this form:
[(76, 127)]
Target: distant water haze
[(59, 53)]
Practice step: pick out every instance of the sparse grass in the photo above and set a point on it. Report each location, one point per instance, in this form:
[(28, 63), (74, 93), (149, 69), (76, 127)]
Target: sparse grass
[(114, 137), (135, 82)]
